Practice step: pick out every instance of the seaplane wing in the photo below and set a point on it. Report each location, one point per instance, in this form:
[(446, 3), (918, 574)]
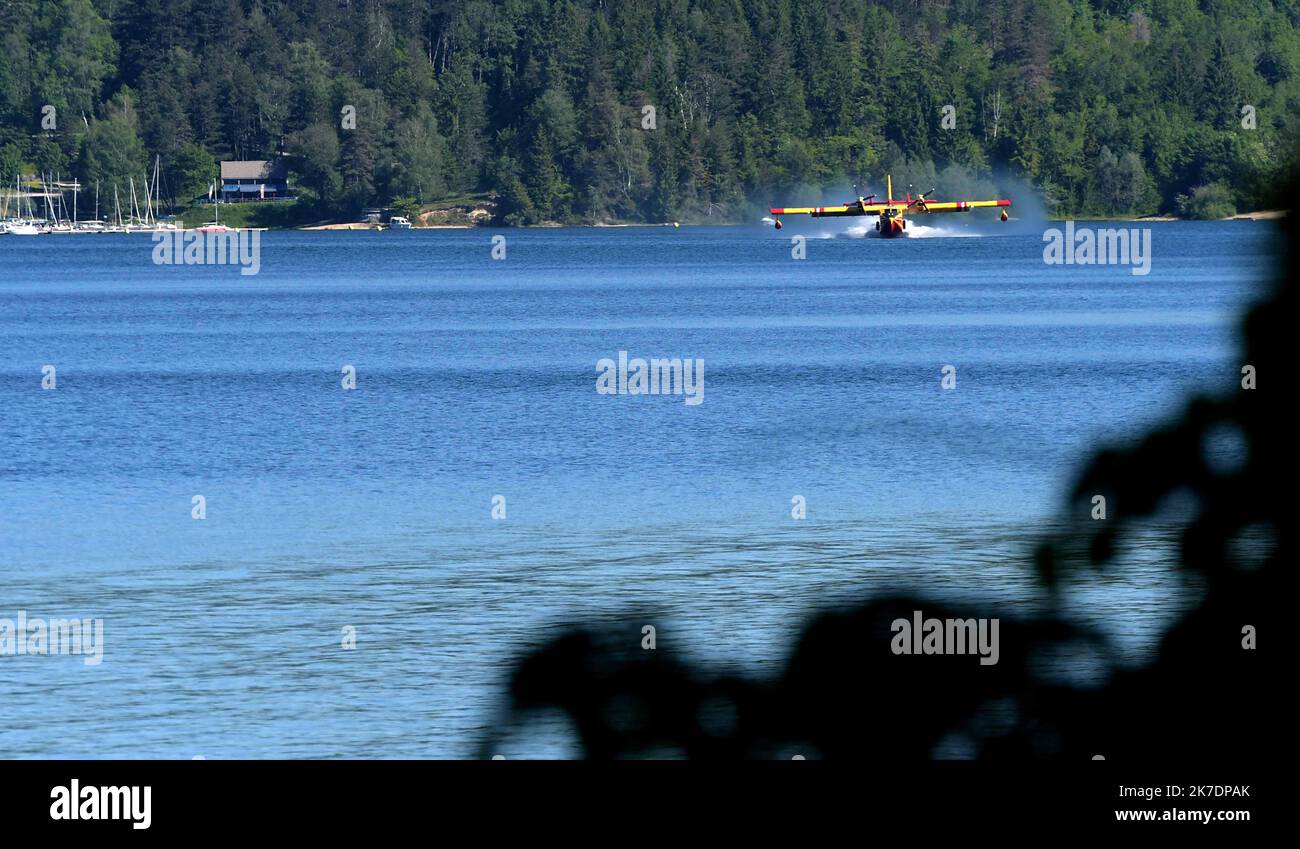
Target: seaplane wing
[(956, 205), (915, 206), (831, 211)]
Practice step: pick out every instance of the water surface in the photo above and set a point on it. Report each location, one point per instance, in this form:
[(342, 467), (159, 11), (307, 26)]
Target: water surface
[(475, 378)]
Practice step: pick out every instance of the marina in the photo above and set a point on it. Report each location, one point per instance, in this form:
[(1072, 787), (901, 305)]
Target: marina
[(47, 205)]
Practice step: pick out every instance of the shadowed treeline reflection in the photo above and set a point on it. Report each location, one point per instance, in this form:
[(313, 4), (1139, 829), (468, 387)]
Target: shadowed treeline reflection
[(844, 693)]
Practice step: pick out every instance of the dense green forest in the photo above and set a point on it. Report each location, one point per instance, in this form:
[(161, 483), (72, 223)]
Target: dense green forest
[(1103, 106)]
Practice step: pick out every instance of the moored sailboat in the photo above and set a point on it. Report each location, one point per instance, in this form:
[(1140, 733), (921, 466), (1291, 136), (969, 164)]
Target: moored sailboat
[(214, 226)]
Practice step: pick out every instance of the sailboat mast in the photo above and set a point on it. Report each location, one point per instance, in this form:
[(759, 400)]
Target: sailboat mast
[(50, 210), (154, 196)]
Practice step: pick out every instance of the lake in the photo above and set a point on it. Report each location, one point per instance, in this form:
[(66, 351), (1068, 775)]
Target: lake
[(372, 509)]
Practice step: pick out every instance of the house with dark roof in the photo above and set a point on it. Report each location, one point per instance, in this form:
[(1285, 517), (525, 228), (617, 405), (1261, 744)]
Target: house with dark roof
[(254, 179)]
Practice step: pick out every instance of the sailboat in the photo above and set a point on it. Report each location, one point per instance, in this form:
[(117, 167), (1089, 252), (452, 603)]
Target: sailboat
[(154, 198), (214, 226), (55, 208), (115, 224), (138, 221), (95, 226), (20, 226)]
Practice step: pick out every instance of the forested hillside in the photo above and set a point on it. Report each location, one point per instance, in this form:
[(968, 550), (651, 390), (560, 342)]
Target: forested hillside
[(1106, 106)]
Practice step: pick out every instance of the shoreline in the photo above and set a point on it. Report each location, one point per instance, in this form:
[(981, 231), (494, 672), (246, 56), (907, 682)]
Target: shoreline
[(1259, 215), (549, 225)]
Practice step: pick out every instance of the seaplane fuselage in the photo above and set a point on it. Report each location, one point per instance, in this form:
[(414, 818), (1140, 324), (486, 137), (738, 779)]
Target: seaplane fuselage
[(891, 223)]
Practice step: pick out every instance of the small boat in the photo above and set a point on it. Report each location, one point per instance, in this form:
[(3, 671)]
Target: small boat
[(398, 222), (21, 228), (214, 226)]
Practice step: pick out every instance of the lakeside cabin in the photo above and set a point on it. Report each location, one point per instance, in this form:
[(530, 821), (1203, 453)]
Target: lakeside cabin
[(254, 179)]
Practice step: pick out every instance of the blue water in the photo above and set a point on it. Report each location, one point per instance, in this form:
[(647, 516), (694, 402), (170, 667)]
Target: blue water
[(475, 377)]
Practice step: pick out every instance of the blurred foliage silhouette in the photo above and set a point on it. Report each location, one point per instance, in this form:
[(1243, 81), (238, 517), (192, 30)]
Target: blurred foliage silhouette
[(843, 693)]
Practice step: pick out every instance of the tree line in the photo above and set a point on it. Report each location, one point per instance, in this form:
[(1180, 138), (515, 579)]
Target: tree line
[(659, 110)]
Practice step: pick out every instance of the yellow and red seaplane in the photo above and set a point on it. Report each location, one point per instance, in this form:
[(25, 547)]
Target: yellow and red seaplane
[(892, 222)]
